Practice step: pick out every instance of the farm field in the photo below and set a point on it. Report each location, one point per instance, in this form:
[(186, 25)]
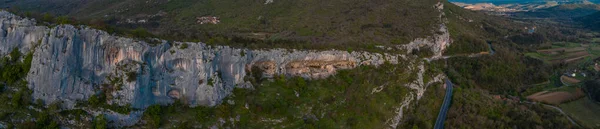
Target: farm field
[(569, 80), (565, 52), (557, 96), (584, 111), (595, 40)]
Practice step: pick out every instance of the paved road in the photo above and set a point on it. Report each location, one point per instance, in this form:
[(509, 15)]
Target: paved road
[(439, 122), (472, 55)]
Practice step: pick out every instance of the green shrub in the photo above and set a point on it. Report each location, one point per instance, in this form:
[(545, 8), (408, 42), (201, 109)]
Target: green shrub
[(63, 20), (47, 18), (100, 122), (12, 70), (119, 109), (97, 100), (183, 46), (16, 99), (210, 82), (15, 55), (44, 120), (152, 115), (141, 33)]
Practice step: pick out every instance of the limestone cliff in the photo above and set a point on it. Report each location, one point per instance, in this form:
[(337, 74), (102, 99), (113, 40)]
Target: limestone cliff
[(72, 63)]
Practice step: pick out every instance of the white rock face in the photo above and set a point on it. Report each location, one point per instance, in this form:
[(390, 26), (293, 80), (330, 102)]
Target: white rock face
[(18, 33), (73, 63)]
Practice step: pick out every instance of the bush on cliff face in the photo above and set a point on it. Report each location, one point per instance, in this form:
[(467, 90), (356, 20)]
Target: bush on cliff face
[(97, 100), (100, 101), (12, 70), (152, 116), (100, 122), (19, 110)]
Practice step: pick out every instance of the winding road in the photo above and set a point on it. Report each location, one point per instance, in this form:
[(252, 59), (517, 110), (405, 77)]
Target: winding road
[(439, 123), (490, 52)]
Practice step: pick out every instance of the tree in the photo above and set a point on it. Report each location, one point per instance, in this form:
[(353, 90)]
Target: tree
[(593, 89), (47, 18), (16, 99), (97, 100), (15, 54), (152, 115)]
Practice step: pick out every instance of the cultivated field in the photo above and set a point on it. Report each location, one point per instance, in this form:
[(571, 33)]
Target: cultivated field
[(567, 53), (557, 97)]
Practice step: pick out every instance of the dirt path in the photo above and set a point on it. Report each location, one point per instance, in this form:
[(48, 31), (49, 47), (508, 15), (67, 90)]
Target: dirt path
[(557, 108)]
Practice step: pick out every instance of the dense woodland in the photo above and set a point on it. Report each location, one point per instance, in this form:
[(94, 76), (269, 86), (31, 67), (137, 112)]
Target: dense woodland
[(471, 105), (593, 89), (591, 21)]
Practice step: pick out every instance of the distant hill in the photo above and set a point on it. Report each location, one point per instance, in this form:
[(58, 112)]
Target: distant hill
[(590, 21), (518, 1)]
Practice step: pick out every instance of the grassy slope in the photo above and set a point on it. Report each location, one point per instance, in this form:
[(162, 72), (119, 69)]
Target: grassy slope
[(354, 24), (471, 31)]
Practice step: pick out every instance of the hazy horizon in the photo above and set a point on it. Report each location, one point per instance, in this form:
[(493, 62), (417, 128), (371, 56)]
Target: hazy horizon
[(512, 1)]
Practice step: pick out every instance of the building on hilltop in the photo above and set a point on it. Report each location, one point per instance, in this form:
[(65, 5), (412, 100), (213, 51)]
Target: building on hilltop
[(208, 20)]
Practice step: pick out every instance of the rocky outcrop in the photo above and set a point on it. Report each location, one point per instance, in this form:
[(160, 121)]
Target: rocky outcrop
[(75, 62), (437, 43)]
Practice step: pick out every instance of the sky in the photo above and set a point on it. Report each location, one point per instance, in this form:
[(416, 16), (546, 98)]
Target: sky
[(512, 1)]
